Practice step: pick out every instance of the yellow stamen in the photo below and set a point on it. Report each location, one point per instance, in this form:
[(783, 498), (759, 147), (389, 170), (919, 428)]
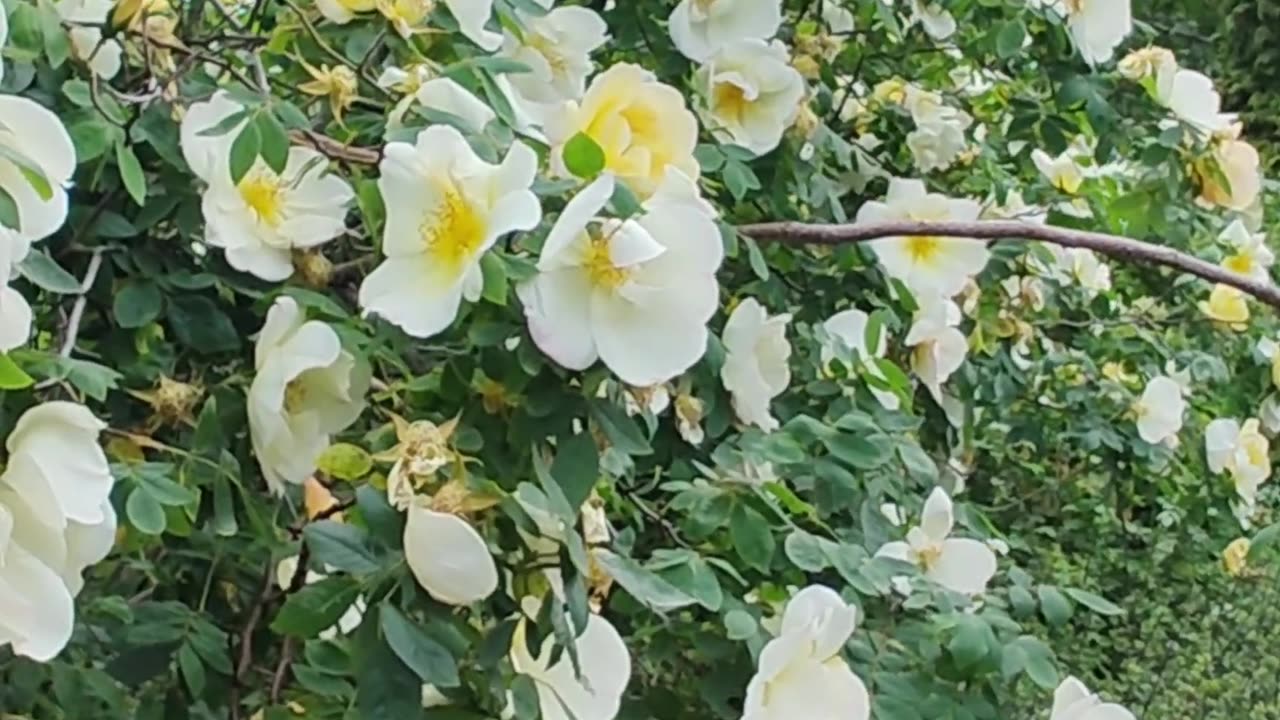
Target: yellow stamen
[(924, 249), (264, 193), (600, 268), (454, 232)]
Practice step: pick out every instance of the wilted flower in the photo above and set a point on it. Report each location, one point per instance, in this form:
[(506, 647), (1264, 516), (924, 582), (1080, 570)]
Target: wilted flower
[(337, 83), (422, 449), (1235, 557)]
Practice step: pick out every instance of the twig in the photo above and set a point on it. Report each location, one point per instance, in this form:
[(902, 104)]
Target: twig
[(77, 310), (1120, 248), (282, 671), (245, 643), (335, 149)]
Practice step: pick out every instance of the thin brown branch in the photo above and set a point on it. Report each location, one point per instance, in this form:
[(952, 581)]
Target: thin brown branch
[(77, 310), (242, 650), (1115, 246), (336, 150)]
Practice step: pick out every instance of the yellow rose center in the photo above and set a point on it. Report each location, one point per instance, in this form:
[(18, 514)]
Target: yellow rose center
[(730, 101), (454, 232), (295, 395), (549, 51), (1255, 448), (1075, 7), (265, 194), (599, 264), (927, 557), (924, 249), (1241, 264)]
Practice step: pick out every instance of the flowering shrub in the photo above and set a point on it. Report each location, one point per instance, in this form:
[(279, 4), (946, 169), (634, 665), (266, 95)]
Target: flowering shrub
[(498, 358)]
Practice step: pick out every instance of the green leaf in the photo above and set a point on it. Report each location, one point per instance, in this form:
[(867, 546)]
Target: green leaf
[(144, 512), (1055, 606), (1096, 603), (30, 171), (740, 625), (619, 429), (695, 577), (43, 271), (752, 536), (341, 546), (273, 142), (13, 377), (200, 324), (244, 151), (1036, 660), (57, 44), (9, 211), (643, 585), (345, 462), (422, 654), (137, 303), (386, 689), (755, 258), (226, 124), (524, 698), (576, 467), (969, 644), (804, 550), (135, 181), (494, 271), (316, 607), (153, 479), (583, 156), (1265, 539), (860, 451), (1010, 37)]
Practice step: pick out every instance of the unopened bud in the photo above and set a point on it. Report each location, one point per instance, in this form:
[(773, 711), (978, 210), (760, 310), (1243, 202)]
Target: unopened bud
[(314, 269)]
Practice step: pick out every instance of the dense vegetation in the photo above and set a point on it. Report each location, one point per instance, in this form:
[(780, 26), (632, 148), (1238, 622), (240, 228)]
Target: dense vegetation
[(409, 359)]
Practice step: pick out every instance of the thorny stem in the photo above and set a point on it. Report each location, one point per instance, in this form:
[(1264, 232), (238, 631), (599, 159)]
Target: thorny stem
[(1115, 246)]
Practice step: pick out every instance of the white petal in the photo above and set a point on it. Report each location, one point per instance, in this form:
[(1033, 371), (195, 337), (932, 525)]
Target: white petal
[(15, 319), (557, 305), (408, 292), (448, 557), (648, 344), (572, 223), (965, 566), (937, 519), (54, 455), (46, 626), (606, 670), (208, 154), (821, 612), (472, 15)]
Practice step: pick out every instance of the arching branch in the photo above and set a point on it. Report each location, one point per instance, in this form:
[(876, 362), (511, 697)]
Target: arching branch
[(1115, 246)]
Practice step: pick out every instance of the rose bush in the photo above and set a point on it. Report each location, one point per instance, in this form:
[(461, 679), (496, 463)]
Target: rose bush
[(404, 359)]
